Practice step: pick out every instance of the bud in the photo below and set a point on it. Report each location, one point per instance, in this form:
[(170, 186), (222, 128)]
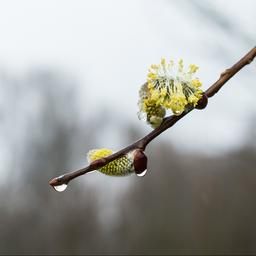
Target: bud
[(202, 103), (133, 161), (121, 166), (139, 161)]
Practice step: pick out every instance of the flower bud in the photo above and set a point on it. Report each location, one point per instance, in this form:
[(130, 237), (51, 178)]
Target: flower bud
[(121, 166), (139, 161), (202, 103)]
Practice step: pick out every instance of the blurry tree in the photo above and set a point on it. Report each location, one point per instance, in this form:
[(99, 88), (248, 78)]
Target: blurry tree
[(32, 220), (191, 204), (186, 203)]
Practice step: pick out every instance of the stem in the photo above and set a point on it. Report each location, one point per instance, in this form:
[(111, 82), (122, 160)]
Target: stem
[(166, 124), (228, 73)]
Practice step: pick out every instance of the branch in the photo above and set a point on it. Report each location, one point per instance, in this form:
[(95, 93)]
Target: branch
[(166, 124)]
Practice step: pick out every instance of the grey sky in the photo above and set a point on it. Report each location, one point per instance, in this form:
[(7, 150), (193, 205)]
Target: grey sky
[(108, 46)]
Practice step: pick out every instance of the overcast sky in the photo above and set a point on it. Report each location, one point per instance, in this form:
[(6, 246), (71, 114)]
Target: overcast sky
[(109, 45)]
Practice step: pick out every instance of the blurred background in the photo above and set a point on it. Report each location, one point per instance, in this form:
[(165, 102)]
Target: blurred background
[(70, 72)]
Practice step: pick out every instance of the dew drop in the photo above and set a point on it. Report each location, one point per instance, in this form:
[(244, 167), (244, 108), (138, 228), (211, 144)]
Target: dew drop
[(142, 174), (60, 188)]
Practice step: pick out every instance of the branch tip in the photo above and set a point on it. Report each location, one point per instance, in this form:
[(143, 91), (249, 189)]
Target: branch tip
[(54, 182)]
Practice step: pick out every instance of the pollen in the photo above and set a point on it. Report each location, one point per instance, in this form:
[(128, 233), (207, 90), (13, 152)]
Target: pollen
[(168, 87)]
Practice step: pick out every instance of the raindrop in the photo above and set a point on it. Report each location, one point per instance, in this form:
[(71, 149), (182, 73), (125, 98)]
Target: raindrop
[(142, 173), (60, 188)]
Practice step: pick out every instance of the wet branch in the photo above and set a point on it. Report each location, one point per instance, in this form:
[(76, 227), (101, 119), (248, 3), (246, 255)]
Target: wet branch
[(166, 124)]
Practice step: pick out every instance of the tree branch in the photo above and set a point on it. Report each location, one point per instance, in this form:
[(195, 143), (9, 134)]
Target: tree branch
[(166, 124)]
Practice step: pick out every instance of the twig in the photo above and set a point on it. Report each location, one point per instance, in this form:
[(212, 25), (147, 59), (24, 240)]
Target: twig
[(166, 124)]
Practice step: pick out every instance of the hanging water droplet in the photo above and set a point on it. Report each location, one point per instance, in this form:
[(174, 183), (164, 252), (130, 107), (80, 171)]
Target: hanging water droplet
[(60, 188), (142, 173)]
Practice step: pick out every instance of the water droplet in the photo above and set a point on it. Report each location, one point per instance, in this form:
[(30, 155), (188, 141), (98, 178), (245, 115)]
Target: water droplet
[(142, 174), (60, 188)]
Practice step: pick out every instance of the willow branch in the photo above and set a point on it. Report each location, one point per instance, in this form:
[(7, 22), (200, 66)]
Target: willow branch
[(166, 124)]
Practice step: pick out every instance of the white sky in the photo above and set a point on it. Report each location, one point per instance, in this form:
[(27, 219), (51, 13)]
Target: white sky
[(108, 46)]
